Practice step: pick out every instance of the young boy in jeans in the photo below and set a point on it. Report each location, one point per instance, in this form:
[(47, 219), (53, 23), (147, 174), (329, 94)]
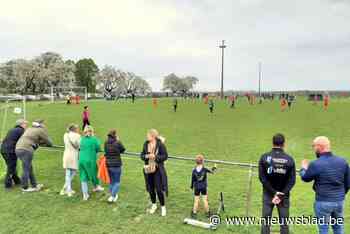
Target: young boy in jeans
[(199, 184)]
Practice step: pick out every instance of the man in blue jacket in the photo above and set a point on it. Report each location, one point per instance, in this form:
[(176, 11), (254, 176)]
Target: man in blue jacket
[(331, 183), (8, 152)]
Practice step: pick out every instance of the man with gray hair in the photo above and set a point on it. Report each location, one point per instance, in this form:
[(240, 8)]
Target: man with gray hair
[(29, 142), (8, 147), (331, 178)]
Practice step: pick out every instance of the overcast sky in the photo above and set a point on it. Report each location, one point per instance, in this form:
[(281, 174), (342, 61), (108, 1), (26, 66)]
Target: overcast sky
[(302, 44)]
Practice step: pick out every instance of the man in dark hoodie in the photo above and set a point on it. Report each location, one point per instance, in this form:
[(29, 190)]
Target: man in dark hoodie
[(8, 147), (29, 142), (277, 175)]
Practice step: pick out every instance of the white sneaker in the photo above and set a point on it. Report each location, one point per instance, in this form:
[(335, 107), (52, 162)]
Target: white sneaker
[(38, 187), (163, 211), (63, 192), (113, 199), (70, 194), (153, 209), (98, 189), (86, 197), (28, 190), (110, 199)]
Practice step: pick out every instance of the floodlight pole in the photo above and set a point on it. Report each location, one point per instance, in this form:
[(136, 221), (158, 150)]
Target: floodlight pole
[(222, 47)]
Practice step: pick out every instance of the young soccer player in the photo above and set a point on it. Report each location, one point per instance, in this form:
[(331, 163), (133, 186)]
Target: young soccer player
[(175, 104), (233, 99), (211, 105), (290, 101), (86, 117), (283, 104), (155, 102), (326, 102), (200, 185), (315, 99), (206, 99)]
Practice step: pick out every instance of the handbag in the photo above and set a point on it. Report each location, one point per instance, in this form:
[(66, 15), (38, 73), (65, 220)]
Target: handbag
[(151, 167), (103, 174)]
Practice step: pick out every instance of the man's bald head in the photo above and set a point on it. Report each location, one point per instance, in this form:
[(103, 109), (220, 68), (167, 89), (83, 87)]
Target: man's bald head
[(322, 144)]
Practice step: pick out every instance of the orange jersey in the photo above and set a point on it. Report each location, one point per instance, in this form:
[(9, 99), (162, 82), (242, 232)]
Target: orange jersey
[(326, 101), (283, 102)]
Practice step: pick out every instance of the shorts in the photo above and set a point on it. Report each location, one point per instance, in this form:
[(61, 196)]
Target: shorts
[(198, 192)]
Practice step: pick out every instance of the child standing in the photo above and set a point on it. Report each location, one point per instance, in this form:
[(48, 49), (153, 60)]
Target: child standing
[(326, 102), (175, 104), (211, 105), (199, 184), (86, 117)]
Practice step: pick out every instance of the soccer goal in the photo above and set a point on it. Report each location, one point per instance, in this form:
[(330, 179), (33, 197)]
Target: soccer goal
[(11, 110), (66, 93)]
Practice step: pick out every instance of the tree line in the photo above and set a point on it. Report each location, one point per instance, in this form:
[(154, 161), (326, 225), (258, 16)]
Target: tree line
[(37, 75)]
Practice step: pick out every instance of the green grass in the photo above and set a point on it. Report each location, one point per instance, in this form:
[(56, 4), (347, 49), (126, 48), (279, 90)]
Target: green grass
[(239, 135)]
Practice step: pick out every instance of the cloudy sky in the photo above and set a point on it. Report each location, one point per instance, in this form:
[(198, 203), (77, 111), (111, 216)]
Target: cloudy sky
[(302, 44)]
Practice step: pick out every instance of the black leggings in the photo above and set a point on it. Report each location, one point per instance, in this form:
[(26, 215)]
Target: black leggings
[(86, 122), (155, 189)]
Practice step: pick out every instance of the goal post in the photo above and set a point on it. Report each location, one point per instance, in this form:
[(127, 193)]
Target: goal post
[(61, 93), (11, 110)]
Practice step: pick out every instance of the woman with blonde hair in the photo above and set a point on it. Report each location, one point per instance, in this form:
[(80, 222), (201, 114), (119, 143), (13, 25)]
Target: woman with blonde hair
[(89, 147), (154, 154), (70, 157)]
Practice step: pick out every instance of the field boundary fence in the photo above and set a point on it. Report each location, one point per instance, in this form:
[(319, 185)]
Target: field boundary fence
[(251, 171)]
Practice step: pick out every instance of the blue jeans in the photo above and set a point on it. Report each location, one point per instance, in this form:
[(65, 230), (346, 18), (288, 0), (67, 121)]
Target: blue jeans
[(70, 173), (114, 174), (328, 212)]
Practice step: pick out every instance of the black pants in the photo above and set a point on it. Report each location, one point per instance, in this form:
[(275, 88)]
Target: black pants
[(283, 212), (11, 172), (232, 104), (175, 107), (155, 190), (28, 174), (211, 109), (86, 122)]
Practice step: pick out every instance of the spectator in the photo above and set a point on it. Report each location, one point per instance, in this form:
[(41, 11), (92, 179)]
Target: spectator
[(89, 147), (70, 157), (331, 183), (154, 154), (113, 149), (277, 175), (8, 148), (29, 142)]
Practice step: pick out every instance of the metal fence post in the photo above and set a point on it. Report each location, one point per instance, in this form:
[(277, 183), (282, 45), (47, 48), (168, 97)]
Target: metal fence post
[(249, 191)]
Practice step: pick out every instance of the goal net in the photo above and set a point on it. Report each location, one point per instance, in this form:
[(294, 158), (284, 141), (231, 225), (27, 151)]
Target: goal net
[(72, 94), (11, 109)]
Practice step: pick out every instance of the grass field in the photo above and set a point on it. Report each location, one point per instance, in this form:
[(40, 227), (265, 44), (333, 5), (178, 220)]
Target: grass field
[(240, 135)]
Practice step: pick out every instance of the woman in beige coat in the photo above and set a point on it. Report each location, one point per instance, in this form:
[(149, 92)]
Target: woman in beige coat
[(70, 157)]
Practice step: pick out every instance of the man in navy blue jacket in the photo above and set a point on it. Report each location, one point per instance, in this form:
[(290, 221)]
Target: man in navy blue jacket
[(8, 147), (331, 183)]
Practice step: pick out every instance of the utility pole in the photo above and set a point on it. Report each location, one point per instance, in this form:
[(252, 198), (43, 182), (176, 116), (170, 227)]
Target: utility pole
[(222, 47), (260, 79)]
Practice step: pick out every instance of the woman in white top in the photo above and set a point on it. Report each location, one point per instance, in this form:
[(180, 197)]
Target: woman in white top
[(70, 157)]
